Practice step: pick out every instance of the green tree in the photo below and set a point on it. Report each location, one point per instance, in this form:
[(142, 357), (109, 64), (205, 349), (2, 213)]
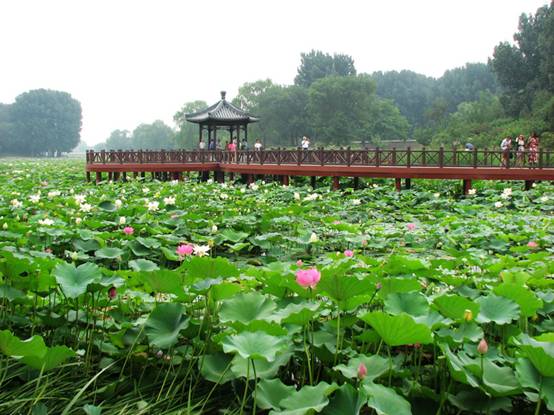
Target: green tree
[(316, 65), (346, 109), (6, 130), (119, 140), (46, 122), (411, 92), (153, 136), (187, 133), (527, 67)]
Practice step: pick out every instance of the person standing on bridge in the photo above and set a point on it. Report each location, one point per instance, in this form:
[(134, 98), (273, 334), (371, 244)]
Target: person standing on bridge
[(506, 146), (533, 149), (305, 144), (258, 144)]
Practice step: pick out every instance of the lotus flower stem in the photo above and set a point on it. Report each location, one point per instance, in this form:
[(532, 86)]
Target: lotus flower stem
[(539, 401), (245, 387)]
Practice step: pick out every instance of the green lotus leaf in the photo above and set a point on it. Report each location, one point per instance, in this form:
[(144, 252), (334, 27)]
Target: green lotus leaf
[(345, 401), (385, 400), (530, 378), (466, 331), (53, 357), (458, 368), (454, 306), (264, 369), (528, 302), (149, 243), (231, 235), (75, 280), (109, 253), (216, 368), (398, 285), (541, 354), (498, 309), (398, 330), (164, 324), (143, 265), (270, 392), (247, 307), (500, 381), (340, 287), (11, 345), (255, 345), (398, 264), (412, 303), (200, 268), (306, 400), (376, 366), (474, 401), (162, 281), (107, 205)]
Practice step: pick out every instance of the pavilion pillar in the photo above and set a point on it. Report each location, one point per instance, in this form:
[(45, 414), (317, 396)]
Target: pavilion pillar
[(215, 135), (529, 184), (98, 177), (238, 134), (398, 184), (199, 132), (408, 183), (285, 180), (467, 186), (246, 132), (313, 181), (336, 183)]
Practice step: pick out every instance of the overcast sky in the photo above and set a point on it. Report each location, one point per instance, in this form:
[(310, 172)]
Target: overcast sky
[(134, 61)]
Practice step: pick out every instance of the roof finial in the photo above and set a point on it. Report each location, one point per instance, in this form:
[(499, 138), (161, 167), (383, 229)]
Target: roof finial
[(223, 95)]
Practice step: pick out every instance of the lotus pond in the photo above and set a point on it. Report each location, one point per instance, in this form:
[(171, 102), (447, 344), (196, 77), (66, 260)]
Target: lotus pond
[(151, 297)]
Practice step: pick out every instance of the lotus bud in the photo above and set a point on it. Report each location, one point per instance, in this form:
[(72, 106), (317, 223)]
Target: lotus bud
[(468, 315), (378, 286), (483, 347), (5, 226), (362, 371), (112, 293)]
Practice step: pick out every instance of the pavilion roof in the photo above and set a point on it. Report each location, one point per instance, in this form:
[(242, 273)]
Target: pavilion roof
[(222, 112)]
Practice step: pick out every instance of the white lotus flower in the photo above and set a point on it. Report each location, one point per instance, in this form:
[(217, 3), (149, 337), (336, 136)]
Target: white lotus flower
[(80, 199), (471, 191), (174, 182), (209, 181), (201, 250), (34, 198), (254, 186), (498, 205), (118, 203), (145, 190), (85, 207), (436, 195), (544, 199), (356, 202), (170, 200), (46, 222), (214, 228), (243, 190), (54, 193), (296, 196), (122, 220), (313, 196), (153, 206), (313, 238), (224, 196), (5, 226), (78, 220), (16, 203)]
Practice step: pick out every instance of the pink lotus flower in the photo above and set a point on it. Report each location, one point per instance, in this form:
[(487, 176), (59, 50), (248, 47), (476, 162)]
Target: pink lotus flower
[(483, 347), (299, 263), (532, 244), (128, 230), (349, 253), (112, 293), (308, 278), (362, 371), (411, 226), (184, 250), (378, 286)]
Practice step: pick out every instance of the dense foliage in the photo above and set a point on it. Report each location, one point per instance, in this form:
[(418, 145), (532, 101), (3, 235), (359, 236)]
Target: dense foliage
[(40, 122), (187, 297)]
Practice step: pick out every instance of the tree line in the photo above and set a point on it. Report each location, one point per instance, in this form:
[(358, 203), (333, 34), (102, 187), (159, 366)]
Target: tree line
[(511, 94)]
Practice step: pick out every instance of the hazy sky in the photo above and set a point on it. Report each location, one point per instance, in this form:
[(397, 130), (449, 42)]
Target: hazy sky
[(134, 61)]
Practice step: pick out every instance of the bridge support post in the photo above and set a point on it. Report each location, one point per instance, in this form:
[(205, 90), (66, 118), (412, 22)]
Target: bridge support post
[(467, 186), (220, 176), (115, 176), (249, 179), (88, 176), (529, 184), (336, 183), (143, 174), (356, 182), (398, 184), (98, 177), (285, 180), (124, 176), (231, 176), (408, 183), (110, 176), (135, 174), (313, 181)]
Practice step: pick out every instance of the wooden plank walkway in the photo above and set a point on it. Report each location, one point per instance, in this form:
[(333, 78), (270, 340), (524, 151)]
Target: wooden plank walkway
[(398, 164)]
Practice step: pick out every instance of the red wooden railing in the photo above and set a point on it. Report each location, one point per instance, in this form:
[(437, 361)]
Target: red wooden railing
[(377, 157)]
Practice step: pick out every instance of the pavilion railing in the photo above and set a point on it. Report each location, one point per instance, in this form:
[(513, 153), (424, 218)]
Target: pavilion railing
[(377, 157)]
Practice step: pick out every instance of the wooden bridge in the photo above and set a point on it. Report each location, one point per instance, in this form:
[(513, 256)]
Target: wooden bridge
[(476, 164)]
